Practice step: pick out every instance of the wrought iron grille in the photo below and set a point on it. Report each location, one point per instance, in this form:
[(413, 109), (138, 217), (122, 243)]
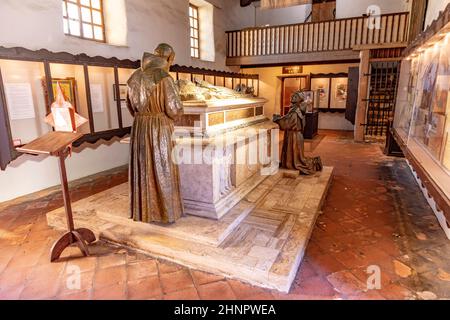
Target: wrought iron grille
[(382, 94)]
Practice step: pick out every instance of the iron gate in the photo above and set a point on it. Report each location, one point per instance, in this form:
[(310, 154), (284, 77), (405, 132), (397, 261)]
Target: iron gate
[(382, 95)]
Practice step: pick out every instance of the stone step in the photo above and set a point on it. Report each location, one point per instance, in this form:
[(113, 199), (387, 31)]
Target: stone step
[(261, 241)]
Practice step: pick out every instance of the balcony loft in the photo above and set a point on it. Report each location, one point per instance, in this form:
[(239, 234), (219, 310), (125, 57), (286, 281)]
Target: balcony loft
[(316, 42)]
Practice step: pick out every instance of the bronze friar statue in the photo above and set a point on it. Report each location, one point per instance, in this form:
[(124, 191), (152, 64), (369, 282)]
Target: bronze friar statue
[(154, 102), (293, 125)]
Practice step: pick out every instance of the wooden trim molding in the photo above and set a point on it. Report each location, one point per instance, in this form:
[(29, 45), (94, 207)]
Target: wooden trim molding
[(312, 22), (7, 151), (208, 72), (329, 75), (104, 135), (44, 55), (442, 201), (19, 53)]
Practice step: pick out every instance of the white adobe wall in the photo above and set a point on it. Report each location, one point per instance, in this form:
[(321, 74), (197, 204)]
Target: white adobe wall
[(252, 15), (434, 7), (295, 14), (38, 24), (352, 8)]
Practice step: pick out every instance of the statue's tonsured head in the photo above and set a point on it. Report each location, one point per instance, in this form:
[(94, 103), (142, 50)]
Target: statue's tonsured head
[(166, 52)]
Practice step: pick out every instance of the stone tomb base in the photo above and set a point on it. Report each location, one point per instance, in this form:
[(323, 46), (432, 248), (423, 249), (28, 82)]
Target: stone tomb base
[(261, 241)]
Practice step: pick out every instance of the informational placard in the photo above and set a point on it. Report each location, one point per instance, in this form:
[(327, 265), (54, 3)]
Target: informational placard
[(97, 98), (19, 98)]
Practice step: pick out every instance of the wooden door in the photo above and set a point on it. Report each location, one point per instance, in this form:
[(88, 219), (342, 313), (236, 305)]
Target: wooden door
[(352, 95), (291, 85)]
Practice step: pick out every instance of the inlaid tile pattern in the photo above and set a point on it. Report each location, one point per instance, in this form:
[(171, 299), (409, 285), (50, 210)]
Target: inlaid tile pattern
[(374, 215), (261, 240)]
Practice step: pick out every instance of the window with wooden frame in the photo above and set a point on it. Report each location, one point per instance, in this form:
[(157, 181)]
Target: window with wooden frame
[(194, 24), (84, 19)]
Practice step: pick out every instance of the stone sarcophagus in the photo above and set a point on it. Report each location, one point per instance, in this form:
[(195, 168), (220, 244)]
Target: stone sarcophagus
[(224, 150)]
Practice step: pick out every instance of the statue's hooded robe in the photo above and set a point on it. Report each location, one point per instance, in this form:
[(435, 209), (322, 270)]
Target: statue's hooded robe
[(153, 99)]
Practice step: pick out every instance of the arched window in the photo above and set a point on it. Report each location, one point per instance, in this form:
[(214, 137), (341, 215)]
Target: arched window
[(84, 19)]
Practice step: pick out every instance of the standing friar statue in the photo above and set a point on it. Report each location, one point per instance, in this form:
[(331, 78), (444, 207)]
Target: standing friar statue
[(153, 100), (293, 124)]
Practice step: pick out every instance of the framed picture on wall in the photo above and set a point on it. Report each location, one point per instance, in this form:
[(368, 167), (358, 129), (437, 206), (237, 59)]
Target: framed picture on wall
[(331, 91), (123, 91), (339, 89), (68, 87), (309, 100), (293, 70), (322, 88)]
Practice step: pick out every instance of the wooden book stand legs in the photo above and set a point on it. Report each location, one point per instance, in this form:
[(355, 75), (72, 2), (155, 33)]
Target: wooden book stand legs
[(81, 237)]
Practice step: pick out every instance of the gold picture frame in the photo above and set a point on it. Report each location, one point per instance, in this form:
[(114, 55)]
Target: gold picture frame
[(68, 87)]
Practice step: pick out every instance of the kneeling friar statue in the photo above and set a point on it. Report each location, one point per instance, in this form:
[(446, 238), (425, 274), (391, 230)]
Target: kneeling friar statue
[(154, 102), (293, 124)]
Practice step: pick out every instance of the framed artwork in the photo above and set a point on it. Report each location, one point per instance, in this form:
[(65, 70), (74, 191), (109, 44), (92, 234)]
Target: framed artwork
[(339, 89), (68, 87), (123, 91), (322, 88), (293, 70), (331, 91), (309, 100)]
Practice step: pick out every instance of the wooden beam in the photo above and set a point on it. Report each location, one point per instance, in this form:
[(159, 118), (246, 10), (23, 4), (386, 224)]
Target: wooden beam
[(296, 58), (7, 153), (417, 18), (380, 46), (363, 89)]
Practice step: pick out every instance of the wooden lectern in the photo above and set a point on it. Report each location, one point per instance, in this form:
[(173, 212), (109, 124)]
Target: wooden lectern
[(58, 144)]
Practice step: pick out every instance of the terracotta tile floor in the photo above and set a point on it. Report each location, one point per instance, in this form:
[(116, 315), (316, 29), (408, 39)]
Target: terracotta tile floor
[(374, 215)]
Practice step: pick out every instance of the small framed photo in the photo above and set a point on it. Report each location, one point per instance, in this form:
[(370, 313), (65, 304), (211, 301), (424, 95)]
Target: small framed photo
[(123, 91), (322, 88), (309, 100), (339, 88)]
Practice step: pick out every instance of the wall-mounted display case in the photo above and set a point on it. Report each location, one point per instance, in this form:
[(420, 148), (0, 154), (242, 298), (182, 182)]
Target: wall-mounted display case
[(422, 118), (96, 86)]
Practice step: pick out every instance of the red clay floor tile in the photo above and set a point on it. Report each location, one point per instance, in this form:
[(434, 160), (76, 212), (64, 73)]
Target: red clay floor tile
[(360, 225)]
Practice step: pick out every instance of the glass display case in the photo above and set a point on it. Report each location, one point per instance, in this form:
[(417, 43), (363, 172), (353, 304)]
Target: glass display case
[(25, 99), (95, 86), (421, 125), (423, 107)]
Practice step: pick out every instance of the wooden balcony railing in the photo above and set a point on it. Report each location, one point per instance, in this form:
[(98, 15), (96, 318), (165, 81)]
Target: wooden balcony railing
[(333, 35)]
